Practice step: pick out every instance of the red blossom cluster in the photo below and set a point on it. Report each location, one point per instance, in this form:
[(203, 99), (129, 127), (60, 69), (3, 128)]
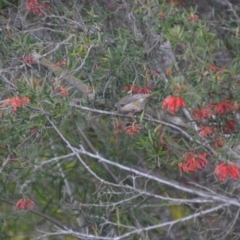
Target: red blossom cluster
[(28, 59), (161, 15), (26, 204), (60, 63), (223, 107), (220, 108), (173, 103), (206, 131), (193, 18), (206, 112), (215, 68), (16, 102), (219, 143), (169, 72), (63, 91), (133, 128), (229, 127), (202, 113), (36, 7), (137, 89), (224, 170), (193, 162)]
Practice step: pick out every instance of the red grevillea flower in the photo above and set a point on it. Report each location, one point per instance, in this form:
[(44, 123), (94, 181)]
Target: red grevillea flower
[(16, 102), (193, 17), (28, 59), (63, 91), (223, 107), (221, 171), (224, 170), (60, 63), (215, 68), (145, 90), (27, 204), (169, 72), (36, 7), (137, 89), (234, 171), (133, 128), (219, 142), (173, 103), (229, 127), (193, 162), (206, 131), (202, 113)]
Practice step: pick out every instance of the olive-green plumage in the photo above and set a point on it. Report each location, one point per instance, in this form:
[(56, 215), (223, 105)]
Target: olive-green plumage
[(132, 103)]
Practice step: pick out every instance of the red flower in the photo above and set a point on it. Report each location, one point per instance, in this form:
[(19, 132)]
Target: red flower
[(173, 104), (27, 204), (35, 7), (223, 107), (230, 125), (28, 59), (193, 17), (133, 128), (223, 170), (145, 90), (60, 63), (202, 113), (161, 15), (218, 143), (193, 162), (111, 6), (16, 102), (206, 131), (215, 69), (63, 91), (169, 72), (136, 89), (234, 171)]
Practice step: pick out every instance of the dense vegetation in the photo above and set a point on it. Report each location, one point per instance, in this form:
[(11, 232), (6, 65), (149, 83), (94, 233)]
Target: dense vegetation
[(74, 165)]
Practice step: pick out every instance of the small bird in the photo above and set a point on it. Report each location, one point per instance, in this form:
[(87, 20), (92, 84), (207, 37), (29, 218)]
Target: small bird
[(132, 103)]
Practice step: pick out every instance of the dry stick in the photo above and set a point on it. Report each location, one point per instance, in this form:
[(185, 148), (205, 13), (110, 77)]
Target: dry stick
[(157, 179), (216, 197), (95, 152), (68, 144), (137, 223), (178, 200), (141, 230)]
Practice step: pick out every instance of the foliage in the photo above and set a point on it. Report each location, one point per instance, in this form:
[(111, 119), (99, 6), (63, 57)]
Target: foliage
[(76, 154)]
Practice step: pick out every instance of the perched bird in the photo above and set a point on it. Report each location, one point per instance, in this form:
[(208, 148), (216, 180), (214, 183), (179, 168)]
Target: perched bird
[(132, 103)]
